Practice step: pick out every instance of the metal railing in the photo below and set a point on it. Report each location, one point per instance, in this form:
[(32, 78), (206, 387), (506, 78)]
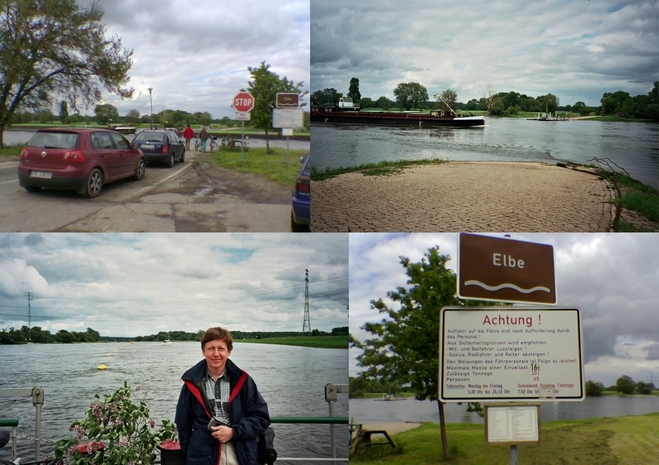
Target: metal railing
[(37, 395), (331, 397)]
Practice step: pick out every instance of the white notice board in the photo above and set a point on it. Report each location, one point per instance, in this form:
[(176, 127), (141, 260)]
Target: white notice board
[(512, 424), (510, 354)]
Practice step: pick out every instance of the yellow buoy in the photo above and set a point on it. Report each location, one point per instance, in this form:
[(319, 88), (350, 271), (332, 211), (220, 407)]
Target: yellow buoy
[(102, 367), (110, 355)]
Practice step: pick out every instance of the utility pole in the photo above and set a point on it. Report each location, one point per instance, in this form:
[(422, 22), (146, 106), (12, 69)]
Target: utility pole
[(306, 326), (29, 296)]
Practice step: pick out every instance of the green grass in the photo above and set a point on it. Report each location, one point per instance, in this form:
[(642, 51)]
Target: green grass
[(319, 342), (272, 166), (636, 196), (620, 441), (11, 150), (382, 168)]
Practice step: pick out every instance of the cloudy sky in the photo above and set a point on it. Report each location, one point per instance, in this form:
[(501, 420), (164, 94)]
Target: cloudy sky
[(612, 278), (195, 54), (140, 284), (575, 49)]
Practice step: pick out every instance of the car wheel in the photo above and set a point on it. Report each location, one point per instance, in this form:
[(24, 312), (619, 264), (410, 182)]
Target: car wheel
[(32, 188), (296, 227), (140, 172), (94, 183), (183, 157), (170, 163)]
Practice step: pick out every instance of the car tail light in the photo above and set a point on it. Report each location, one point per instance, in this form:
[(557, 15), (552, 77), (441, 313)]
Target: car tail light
[(24, 153), (74, 156), (165, 149), (303, 186)]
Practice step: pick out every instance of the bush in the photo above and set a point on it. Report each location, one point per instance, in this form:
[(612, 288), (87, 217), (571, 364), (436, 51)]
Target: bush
[(115, 431)]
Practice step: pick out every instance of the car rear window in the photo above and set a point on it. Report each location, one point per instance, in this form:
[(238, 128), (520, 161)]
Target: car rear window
[(54, 140), (149, 136)]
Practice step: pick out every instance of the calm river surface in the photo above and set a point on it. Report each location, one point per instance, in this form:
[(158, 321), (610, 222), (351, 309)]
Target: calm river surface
[(369, 410), (291, 379), (632, 146)]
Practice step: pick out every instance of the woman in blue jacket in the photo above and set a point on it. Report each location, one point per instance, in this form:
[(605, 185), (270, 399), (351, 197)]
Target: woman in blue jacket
[(215, 388)]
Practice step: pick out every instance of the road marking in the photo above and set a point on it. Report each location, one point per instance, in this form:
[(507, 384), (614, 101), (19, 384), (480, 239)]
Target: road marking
[(7, 182)]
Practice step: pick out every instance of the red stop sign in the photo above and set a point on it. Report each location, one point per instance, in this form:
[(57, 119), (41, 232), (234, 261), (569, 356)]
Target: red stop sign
[(243, 102)]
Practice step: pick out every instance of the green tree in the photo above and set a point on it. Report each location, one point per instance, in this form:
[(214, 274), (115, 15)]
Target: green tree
[(133, 116), (53, 49), (326, 97), (353, 91), (594, 388), (625, 385), (106, 113), (64, 111), (581, 108), (644, 388), (404, 348), (383, 102), (264, 87), (447, 97), (410, 95)]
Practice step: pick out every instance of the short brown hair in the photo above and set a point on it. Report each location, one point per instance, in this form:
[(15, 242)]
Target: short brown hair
[(217, 333)]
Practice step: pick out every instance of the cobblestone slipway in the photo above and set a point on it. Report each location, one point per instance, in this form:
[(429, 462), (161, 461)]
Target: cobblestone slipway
[(465, 197)]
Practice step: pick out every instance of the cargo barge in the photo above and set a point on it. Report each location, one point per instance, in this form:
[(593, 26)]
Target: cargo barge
[(345, 112)]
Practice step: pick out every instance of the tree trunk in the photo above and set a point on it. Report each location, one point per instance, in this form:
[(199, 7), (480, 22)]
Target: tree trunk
[(442, 428)]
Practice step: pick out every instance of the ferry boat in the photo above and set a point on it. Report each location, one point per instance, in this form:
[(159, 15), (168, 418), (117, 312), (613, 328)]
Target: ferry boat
[(348, 112)]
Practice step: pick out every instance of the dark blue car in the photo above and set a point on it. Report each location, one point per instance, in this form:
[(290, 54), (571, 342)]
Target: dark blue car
[(160, 146), (301, 198)]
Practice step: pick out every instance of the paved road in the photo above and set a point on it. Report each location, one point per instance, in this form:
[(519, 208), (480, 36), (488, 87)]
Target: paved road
[(464, 196), (167, 200)]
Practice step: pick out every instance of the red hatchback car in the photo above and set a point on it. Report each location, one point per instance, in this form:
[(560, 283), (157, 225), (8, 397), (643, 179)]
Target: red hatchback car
[(80, 159)]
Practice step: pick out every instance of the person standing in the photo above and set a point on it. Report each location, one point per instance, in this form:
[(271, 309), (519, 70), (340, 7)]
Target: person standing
[(220, 412), (203, 137), (188, 134)]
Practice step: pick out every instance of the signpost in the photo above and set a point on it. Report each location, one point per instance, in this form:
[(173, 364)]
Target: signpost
[(287, 116), (243, 103), (510, 354), (505, 270)]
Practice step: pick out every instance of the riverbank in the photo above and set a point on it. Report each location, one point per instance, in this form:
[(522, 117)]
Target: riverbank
[(601, 441), (465, 196)]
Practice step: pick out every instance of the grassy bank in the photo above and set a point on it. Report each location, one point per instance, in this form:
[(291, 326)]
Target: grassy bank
[(633, 196), (604, 441), (319, 342), (273, 166), (382, 168)]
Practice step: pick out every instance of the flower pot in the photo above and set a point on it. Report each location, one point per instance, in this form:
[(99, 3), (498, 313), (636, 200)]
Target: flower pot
[(171, 453)]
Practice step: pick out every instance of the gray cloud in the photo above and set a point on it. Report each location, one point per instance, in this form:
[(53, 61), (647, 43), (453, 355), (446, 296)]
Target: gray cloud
[(195, 55), (576, 50), (135, 284)]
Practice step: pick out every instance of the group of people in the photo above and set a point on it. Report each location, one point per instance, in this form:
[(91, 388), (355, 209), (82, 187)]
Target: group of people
[(188, 135)]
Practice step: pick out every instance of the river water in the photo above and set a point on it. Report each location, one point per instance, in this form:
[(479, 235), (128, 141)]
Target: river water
[(291, 379), (632, 146), (374, 411)]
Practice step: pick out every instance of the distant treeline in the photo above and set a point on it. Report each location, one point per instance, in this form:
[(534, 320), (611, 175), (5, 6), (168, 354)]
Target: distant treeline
[(38, 335), (620, 103), (238, 335)]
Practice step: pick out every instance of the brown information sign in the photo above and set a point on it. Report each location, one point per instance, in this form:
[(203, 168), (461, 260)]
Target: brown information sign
[(287, 99), (506, 270)]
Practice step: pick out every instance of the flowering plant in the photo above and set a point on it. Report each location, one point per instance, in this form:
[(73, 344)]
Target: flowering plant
[(115, 430)]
